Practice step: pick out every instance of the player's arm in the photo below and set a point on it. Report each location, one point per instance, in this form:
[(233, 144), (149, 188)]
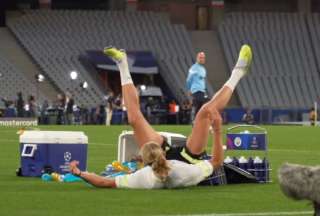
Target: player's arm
[(91, 178), (217, 149), (189, 80)]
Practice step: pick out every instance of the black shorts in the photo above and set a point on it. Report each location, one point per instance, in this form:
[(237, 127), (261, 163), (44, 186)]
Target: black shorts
[(181, 153)]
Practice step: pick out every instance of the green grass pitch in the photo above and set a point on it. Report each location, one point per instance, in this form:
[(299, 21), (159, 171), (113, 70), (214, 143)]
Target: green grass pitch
[(32, 197)]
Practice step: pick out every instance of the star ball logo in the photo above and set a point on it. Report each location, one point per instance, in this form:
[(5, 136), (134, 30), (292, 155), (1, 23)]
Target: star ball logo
[(67, 156), (237, 141)]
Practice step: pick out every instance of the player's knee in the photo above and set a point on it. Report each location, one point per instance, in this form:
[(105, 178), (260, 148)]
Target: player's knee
[(209, 111), (205, 110)]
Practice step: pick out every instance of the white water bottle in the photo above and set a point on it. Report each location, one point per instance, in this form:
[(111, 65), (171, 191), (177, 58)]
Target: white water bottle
[(243, 163), (228, 160), (258, 165)]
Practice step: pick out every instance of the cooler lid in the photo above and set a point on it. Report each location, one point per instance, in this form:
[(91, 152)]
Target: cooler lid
[(54, 137), (166, 134)]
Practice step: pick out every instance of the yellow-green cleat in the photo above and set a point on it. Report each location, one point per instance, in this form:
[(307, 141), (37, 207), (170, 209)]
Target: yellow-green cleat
[(245, 57), (114, 53)]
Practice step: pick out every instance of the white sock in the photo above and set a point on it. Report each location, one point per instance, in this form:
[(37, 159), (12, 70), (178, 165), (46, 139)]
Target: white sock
[(241, 63), (124, 72), (236, 75)]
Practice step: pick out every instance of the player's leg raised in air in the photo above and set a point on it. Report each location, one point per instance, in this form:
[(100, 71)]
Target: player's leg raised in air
[(209, 112), (143, 132)]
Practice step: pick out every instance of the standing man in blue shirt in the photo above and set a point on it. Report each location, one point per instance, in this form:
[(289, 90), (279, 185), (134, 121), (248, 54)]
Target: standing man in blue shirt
[(196, 83)]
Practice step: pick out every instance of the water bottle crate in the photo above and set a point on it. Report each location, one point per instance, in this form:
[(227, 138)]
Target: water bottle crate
[(254, 138)]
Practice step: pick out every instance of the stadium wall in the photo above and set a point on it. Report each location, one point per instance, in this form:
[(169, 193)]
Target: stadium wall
[(207, 14), (261, 5), (180, 12)]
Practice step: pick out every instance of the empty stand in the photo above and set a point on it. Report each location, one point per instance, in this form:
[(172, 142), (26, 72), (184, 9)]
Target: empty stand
[(284, 73), (55, 39), (13, 81)]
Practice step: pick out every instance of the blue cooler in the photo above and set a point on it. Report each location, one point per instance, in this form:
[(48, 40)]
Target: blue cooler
[(51, 149)]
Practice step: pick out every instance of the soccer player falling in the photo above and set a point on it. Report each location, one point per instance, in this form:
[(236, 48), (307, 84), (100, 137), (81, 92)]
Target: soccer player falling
[(167, 166)]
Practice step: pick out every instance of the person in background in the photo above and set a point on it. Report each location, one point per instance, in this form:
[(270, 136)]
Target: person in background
[(20, 105), (108, 110), (117, 110), (312, 116), (69, 108), (10, 110), (248, 117), (109, 107), (172, 107), (224, 115), (44, 116), (186, 111), (173, 112), (60, 108), (2, 107), (85, 115), (100, 114), (149, 108), (163, 110), (117, 103), (32, 107), (196, 83), (76, 115)]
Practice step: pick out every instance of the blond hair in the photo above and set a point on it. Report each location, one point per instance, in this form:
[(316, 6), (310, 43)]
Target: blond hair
[(153, 155)]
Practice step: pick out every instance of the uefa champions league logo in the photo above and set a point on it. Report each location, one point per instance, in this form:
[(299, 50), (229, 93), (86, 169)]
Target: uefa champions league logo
[(237, 142), (67, 156)]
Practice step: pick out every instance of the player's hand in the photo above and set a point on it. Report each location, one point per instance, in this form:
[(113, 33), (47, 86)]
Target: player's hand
[(73, 167)]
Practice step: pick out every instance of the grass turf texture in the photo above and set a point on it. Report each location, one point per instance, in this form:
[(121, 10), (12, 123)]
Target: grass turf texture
[(31, 196)]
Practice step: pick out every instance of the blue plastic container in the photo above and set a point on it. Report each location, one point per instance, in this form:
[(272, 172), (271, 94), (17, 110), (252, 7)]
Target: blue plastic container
[(53, 150)]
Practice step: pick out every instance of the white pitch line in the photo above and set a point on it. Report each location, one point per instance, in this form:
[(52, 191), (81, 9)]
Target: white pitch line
[(255, 214)]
